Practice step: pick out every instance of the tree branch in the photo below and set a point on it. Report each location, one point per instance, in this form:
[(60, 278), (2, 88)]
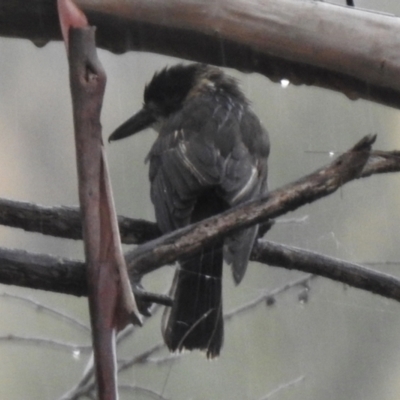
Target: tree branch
[(44, 272), (54, 274), (65, 222), (307, 42), (289, 257), (168, 248), (67, 276)]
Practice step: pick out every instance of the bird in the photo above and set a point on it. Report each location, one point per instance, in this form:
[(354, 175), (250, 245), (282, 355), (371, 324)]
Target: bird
[(210, 155)]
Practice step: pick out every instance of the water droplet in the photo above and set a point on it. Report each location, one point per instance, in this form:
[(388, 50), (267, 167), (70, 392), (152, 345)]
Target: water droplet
[(304, 295), (285, 83), (270, 301), (76, 354), (40, 42)]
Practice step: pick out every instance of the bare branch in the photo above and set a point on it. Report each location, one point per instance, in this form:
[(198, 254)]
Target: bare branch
[(261, 37), (67, 276), (381, 162), (55, 274), (65, 222), (46, 272), (323, 182), (360, 277), (43, 272)]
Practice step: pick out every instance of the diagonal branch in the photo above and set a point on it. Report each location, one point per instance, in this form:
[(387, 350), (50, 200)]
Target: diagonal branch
[(289, 257), (65, 222), (67, 276), (323, 182)]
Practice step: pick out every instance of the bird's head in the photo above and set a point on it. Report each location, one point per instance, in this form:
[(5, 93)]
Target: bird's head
[(170, 88), (163, 96)]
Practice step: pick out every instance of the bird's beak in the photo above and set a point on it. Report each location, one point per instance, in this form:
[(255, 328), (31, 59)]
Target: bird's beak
[(141, 120)]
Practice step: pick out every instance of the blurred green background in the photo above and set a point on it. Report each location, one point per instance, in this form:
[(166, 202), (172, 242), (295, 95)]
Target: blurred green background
[(344, 342)]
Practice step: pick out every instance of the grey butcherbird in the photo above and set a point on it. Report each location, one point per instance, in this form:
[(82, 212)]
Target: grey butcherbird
[(210, 154)]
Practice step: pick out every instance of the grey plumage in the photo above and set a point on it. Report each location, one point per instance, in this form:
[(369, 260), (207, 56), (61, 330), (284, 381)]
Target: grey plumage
[(211, 154)]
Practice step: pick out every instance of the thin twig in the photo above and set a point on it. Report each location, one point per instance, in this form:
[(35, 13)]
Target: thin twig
[(86, 379), (142, 390), (87, 387), (282, 387), (142, 358), (46, 342), (52, 311), (86, 384), (167, 359), (267, 296)]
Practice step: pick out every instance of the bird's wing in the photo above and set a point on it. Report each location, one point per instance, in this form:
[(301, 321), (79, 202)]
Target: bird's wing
[(245, 179), (180, 170), (203, 148)]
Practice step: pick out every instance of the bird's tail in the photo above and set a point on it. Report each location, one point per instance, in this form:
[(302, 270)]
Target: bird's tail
[(195, 320)]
